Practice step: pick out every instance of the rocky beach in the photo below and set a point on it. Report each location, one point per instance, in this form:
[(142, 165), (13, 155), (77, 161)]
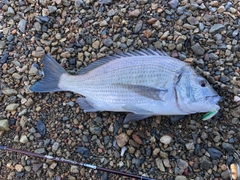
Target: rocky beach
[(205, 34)]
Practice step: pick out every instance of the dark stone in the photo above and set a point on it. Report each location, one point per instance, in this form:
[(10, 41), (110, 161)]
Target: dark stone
[(214, 153), (106, 140), (12, 121), (115, 128), (20, 174), (206, 165), (72, 61), (1, 35), (41, 128), (228, 147), (83, 151), (88, 39), (105, 176), (108, 42), (42, 19), (4, 58)]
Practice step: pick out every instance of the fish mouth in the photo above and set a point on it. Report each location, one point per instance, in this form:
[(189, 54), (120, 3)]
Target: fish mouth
[(213, 99)]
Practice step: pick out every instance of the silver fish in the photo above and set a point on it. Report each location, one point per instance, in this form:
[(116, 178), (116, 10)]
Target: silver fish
[(144, 83)]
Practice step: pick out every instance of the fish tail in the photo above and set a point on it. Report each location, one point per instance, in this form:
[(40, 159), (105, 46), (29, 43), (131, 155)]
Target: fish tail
[(52, 73)]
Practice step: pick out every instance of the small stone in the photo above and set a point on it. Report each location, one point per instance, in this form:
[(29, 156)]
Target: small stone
[(190, 146), (40, 151), (173, 3), (180, 178), (74, 169), (108, 42), (217, 28), (9, 92), (41, 128), (83, 151), (103, 23), (96, 44), (160, 165), (137, 139), (36, 167), (4, 126), (111, 13), (166, 163), (23, 139), (166, 139), (225, 175), (52, 9), (192, 20), (38, 54), (134, 13), (19, 168), (65, 54), (206, 165), (214, 153), (95, 130), (138, 26), (165, 35), (221, 9), (22, 25), (10, 11), (142, 1), (2, 44), (122, 139), (33, 71), (12, 107), (182, 165), (55, 146), (197, 49), (147, 33)]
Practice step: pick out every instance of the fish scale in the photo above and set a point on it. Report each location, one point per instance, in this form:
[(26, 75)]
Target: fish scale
[(144, 83)]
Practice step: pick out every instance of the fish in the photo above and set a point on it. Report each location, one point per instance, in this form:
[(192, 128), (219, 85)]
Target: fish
[(143, 83)]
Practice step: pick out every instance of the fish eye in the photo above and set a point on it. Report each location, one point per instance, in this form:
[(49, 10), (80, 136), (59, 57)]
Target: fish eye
[(203, 83)]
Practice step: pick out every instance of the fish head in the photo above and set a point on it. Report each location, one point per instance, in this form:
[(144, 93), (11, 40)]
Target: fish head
[(194, 93)]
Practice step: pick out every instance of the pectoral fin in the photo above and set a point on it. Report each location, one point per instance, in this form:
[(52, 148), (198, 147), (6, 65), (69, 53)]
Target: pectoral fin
[(150, 92), (135, 117)]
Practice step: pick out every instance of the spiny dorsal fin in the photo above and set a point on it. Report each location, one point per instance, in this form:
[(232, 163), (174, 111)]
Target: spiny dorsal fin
[(104, 60)]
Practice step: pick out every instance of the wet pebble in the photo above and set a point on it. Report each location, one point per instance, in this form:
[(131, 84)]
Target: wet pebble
[(22, 25), (108, 42), (4, 126), (83, 151), (41, 127)]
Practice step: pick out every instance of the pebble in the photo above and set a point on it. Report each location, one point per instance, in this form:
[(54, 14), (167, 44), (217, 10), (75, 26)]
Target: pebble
[(41, 128), (83, 151), (38, 54), (19, 167), (173, 3), (134, 13), (193, 20), (12, 107), (40, 151), (138, 26), (23, 139), (137, 139), (2, 44), (9, 92), (74, 169), (4, 126), (55, 146), (197, 49), (122, 139), (95, 130), (217, 28), (181, 178), (22, 25), (166, 139), (10, 11), (214, 153), (108, 42), (160, 165), (96, 44)]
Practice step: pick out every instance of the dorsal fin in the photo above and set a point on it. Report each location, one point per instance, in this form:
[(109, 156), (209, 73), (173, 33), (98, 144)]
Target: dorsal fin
[(104, 60)]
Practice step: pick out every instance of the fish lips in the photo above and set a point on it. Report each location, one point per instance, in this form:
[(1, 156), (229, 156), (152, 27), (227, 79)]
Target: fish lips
[(213, 99)]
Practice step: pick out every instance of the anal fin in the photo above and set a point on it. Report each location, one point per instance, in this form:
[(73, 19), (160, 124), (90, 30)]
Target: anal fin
[(131, 117)]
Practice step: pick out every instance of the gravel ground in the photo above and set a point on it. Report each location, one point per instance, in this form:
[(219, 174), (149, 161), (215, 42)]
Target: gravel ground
[(202, 33)]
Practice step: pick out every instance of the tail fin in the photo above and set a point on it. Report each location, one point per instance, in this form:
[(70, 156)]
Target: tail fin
[(52, 73)]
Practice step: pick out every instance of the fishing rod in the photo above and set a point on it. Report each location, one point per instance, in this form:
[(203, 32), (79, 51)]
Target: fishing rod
[(62, 160)]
